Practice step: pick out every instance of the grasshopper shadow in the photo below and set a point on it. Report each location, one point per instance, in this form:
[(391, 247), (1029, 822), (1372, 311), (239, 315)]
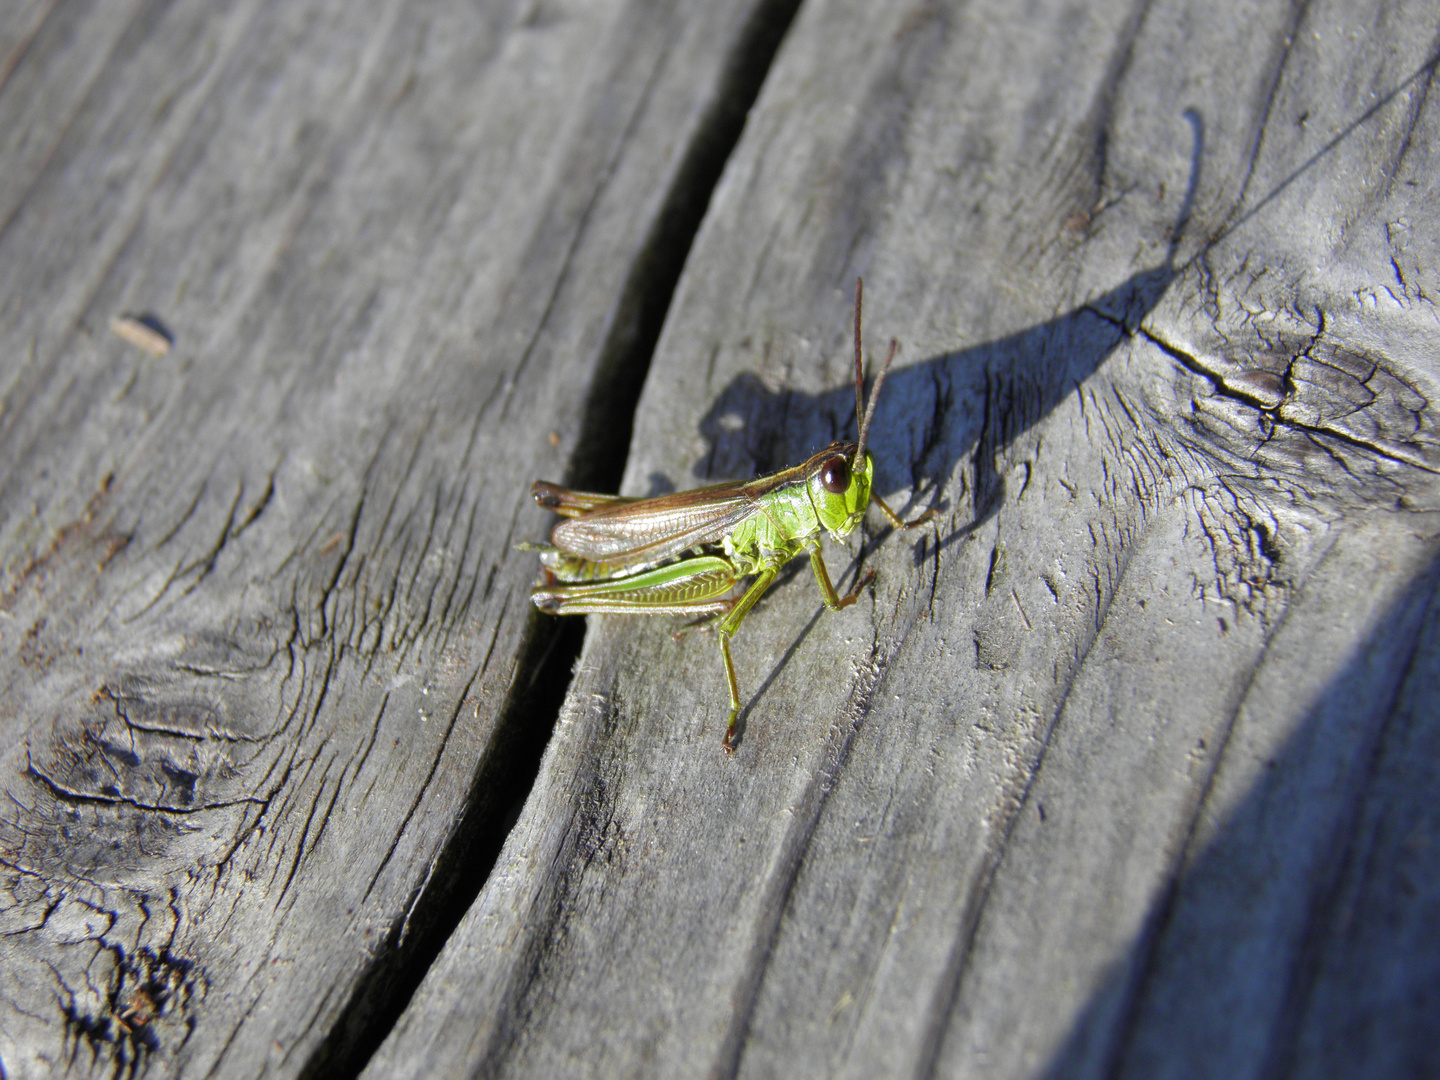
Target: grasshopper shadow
[(932, 415), (973, 402)]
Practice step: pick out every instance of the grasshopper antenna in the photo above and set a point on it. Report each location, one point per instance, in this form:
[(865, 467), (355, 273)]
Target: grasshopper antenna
[(874, 397), (859, 366), (863, 416)]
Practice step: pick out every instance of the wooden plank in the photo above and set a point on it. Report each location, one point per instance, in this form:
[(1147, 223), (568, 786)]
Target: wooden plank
[(265, 640), (1094, 780)]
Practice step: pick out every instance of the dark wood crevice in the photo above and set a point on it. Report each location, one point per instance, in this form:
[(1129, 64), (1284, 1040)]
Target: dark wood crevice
[(543, 669)]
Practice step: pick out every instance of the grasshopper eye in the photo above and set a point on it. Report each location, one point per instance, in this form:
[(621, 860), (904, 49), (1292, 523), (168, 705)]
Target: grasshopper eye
[(835, 475)]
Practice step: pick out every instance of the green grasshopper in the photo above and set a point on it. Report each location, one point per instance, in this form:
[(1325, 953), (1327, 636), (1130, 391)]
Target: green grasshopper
[(688, 553)]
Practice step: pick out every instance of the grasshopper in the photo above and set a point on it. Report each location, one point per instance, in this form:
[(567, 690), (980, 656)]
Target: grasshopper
[(690, 552)]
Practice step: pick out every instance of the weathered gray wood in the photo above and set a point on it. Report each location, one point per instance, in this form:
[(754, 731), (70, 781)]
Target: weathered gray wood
[(260, 615), (1127, 767)]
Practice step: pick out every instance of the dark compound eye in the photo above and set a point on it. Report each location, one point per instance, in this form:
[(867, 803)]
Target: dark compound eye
[(835, 475)]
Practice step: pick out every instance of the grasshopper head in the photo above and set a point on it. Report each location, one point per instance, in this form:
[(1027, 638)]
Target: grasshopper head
[(840, 489)]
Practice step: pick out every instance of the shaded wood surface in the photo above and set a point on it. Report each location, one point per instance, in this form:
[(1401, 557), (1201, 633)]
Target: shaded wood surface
[(1125, 767)]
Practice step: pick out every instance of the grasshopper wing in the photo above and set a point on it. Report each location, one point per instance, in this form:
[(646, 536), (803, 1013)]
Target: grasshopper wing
[(568, 503), (648, 531)]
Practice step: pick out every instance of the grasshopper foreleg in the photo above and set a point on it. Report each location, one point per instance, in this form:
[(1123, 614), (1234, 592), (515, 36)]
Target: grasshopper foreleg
[(833, 600), (899, 522)]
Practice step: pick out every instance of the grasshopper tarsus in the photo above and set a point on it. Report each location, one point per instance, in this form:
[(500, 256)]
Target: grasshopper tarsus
[(731, 738), (859, 587)]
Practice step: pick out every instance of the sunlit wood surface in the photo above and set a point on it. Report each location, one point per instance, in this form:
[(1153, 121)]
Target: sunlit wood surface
[(1126, 766)]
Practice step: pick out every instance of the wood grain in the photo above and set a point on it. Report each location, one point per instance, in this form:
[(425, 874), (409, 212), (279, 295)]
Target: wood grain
[(1096, 783), (1125, 766)]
